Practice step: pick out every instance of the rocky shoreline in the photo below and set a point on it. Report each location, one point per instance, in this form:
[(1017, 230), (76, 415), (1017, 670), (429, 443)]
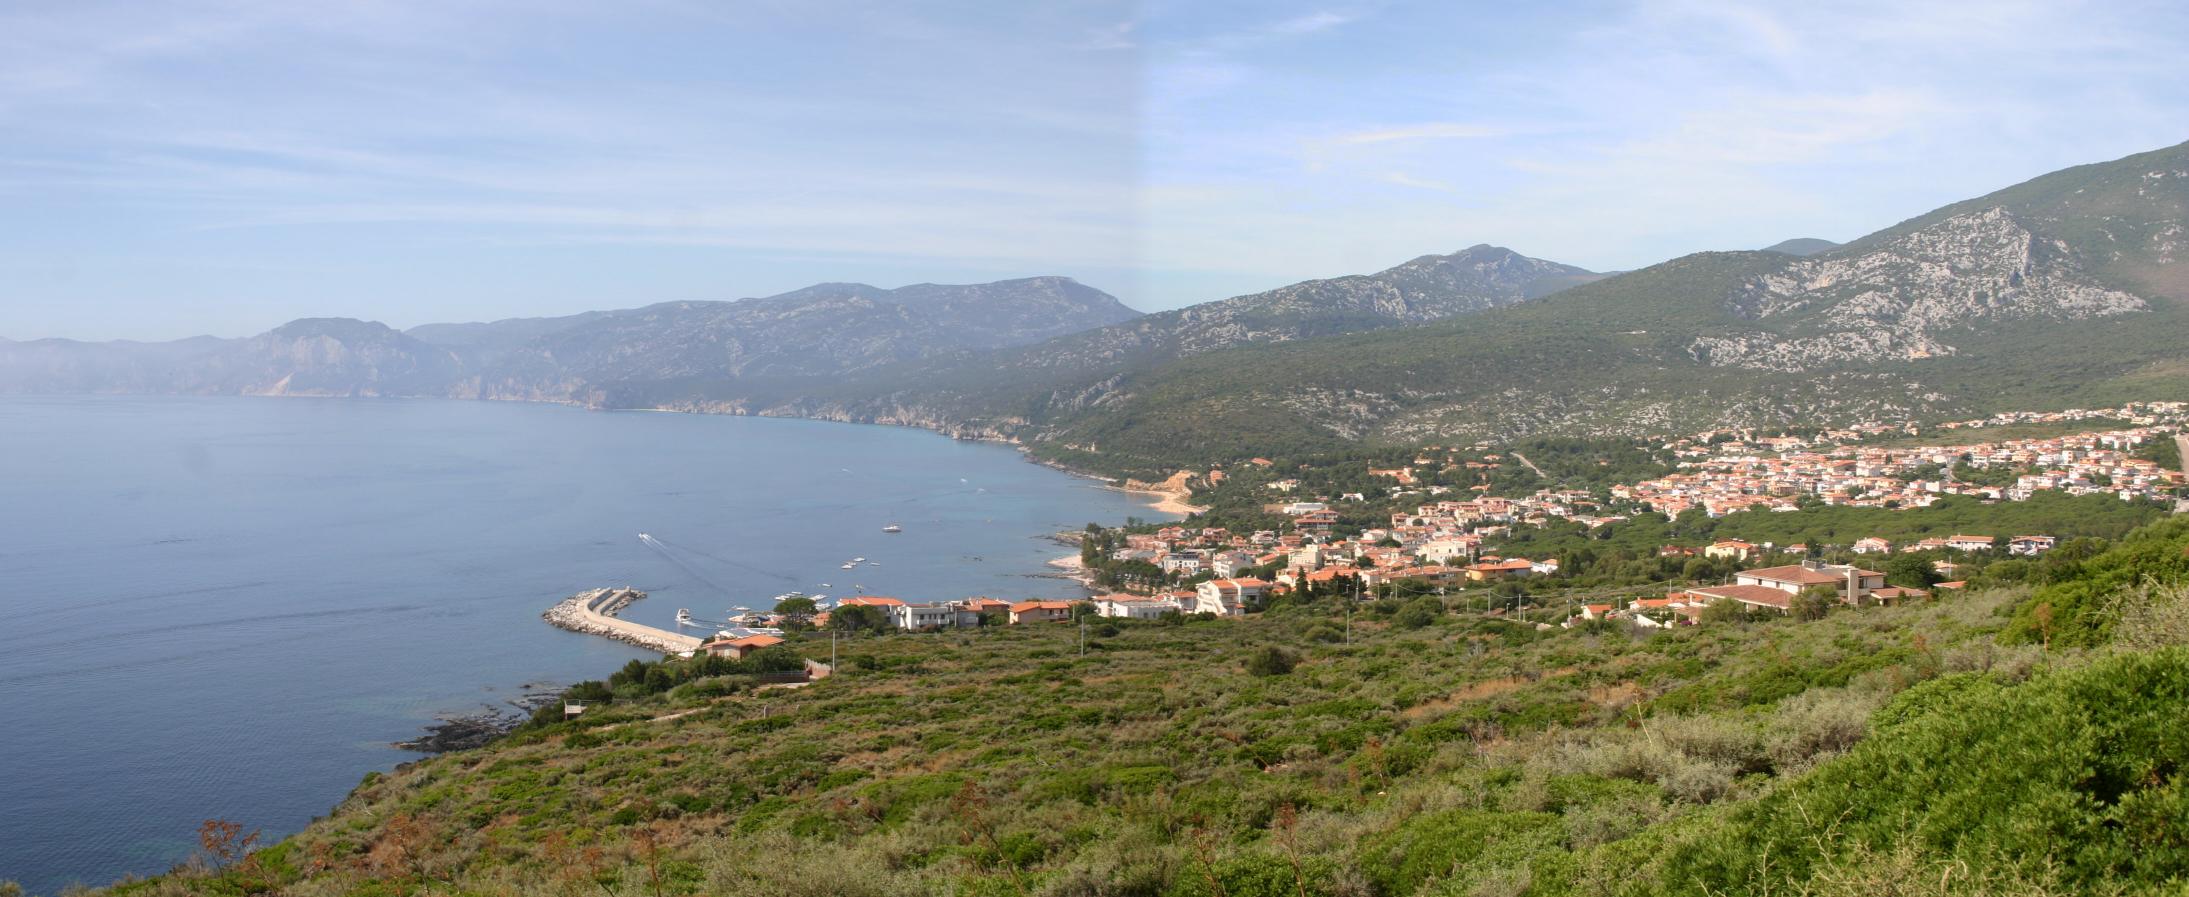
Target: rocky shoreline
[(463, 732), (593, 613)]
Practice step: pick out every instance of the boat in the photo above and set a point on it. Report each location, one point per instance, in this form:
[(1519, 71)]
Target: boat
[(856, 560), (892, 528), (848, 565), (684, 616)]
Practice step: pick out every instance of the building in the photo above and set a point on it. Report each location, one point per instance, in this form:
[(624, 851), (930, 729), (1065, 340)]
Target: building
[(1491, 571), (1136, 607), (2030, 546), (1231, 563), (1228, 597), (917, 617), (1751, 595), (1732, 548), (1872, 545), (1970, 543), (738, 648), (1041, 612), (1852, 583)]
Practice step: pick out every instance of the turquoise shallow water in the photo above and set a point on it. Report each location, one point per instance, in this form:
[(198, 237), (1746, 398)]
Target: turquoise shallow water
[(225, 607)]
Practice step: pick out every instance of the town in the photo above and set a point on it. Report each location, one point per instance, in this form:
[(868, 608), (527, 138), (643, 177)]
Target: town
[(1455, 548)]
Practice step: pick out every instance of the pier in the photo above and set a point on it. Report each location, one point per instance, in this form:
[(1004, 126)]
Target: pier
[(593, 613)]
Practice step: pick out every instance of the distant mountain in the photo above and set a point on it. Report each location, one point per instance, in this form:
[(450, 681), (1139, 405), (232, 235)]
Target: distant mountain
[(1429, 288), (1802, 246), (1004, 393), (828, 330), (2066, 289), (483, 344)]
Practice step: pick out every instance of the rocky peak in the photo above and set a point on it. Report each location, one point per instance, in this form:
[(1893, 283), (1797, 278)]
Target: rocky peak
[(1898, 298)]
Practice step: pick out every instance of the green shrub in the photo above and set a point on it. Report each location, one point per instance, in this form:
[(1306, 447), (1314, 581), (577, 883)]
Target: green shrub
[(2077, 773), (1271, 661)]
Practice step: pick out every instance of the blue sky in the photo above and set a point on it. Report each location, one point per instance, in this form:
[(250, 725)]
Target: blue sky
[(221, 166)]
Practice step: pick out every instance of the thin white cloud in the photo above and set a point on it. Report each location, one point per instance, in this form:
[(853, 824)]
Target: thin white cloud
[(1402, 179), (1427, 131)]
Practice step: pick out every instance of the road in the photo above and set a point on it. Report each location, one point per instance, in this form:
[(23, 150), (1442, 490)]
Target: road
[(1529, 464)]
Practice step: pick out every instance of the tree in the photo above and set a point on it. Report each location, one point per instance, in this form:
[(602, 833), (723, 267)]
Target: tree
[(797, 612), (1813, 603), (1912, 571), (1725, 610), (857, 618)]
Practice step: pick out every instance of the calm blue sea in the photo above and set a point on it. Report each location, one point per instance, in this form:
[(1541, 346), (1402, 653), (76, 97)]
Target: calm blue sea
[(229, 607)]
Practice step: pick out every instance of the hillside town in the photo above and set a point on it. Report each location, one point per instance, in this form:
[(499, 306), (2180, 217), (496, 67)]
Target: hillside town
[(1451, 544)]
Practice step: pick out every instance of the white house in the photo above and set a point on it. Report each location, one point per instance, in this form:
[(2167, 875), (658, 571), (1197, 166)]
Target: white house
[(916, 617), (2030, 546), (1970, 543), (1136, 607), (1228, 597), (1872, 545), (1231, 563), (1445, 551)]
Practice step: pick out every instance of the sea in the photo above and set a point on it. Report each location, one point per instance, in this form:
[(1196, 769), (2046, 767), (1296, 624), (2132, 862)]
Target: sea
[(231, 607)]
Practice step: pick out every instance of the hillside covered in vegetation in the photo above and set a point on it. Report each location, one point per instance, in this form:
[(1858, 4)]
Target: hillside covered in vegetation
[(2017, 740)]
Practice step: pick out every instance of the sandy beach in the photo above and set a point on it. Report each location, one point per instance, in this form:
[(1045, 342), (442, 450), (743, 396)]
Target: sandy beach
[(1170, 494)]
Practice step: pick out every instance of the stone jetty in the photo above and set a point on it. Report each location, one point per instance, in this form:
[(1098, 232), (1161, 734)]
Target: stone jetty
[(593, 613)]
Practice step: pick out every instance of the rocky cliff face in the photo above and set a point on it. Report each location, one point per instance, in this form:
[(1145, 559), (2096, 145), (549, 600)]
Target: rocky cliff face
[(1901, 299)]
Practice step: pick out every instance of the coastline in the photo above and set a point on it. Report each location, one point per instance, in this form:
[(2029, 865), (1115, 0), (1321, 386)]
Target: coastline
[(1075, 571), (1170, 494)]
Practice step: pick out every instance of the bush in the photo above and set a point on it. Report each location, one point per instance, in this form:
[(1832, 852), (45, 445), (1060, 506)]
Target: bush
[(1456, 845), (1419, 612), (1271, 661), (2076, 773)]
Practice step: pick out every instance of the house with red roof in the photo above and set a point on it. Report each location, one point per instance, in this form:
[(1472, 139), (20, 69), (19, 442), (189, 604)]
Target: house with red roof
[(1041, 612), (738, 648)]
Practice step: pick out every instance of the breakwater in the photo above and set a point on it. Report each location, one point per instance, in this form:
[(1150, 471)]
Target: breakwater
[(593, 612)]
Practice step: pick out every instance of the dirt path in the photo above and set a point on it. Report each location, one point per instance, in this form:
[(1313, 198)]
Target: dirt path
[(1529, 464)]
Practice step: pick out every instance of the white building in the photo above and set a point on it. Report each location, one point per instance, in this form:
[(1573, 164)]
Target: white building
[(1135, 607)]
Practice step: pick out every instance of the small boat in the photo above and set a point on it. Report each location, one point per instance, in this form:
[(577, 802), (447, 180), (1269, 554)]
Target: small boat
[(856, 560), (892, 528), (684, 616), (848, 565)]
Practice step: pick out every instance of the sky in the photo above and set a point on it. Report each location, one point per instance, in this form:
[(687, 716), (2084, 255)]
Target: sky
[(222, 166)]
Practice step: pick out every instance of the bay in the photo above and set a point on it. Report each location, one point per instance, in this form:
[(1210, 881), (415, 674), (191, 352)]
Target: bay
[(229, 607)]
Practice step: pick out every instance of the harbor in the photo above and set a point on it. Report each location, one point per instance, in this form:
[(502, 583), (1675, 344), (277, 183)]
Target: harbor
[(593, 613)]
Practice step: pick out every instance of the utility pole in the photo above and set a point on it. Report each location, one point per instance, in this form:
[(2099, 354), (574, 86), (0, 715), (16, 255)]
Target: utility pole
[(1082, 636), (832, 651)]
